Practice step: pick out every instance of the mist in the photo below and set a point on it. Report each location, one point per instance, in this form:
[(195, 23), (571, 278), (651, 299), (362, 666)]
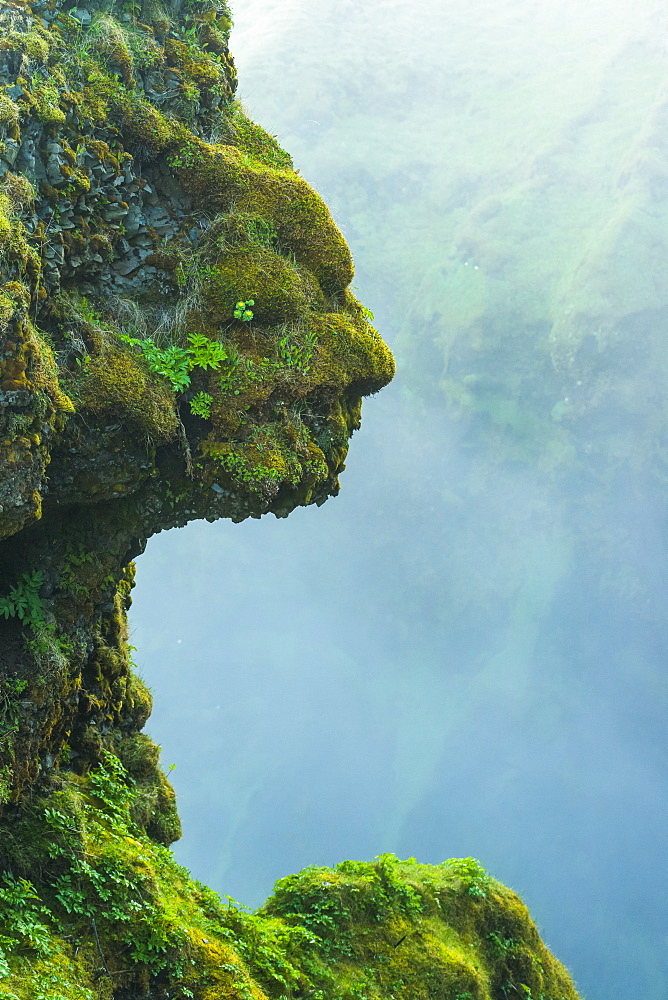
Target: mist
[(464, 652)]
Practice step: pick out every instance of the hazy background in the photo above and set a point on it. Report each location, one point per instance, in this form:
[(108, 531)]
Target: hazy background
[(464, 653)]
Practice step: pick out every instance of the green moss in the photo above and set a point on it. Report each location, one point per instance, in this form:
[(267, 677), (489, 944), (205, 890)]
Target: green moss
[(196, 64), (7, 307), (43, 373), (351, 353), (274, 455), (14, 246), (103, 97), (403, 929), (35, 43), (55, 977), (46, 103), (114, 382), (5, 224), (253, 140), (279, 289), (207, 171), (241, 229), (9, 113), (19, 191), (138, 701), (303, 224), (12, 239), (361, 930), (218, 175), (154, 806)]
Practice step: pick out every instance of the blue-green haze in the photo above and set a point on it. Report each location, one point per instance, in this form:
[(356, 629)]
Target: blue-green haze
[(465, 652)]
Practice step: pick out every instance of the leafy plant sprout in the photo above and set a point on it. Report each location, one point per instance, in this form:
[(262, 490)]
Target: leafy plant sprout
[(175, 363), (24, 601), (200, 405)]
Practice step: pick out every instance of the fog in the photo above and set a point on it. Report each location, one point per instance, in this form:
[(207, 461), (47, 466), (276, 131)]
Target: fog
[(463, 653)]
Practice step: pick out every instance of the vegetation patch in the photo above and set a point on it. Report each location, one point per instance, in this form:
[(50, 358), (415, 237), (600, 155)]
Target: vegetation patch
[(119, 909)]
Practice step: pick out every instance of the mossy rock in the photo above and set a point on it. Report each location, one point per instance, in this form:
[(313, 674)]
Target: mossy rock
[(350, 353), (392, 928), (280, 291), (303, 223), (255, 141), (115, 384), (361, 930), (98, 386), (221, 176)]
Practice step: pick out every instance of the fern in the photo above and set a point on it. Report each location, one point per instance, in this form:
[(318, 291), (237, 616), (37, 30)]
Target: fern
[(175, 363), (24, 602)]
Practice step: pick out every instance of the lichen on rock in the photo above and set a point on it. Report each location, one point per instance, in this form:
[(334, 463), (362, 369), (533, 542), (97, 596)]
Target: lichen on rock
[(178, 340)]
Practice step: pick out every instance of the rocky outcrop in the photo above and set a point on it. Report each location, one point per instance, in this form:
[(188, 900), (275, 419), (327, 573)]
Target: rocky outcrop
[(177, 340)]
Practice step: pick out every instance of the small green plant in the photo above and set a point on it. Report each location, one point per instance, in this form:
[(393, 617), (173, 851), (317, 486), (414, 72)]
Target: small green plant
[(200, 405), (189, 33), (175, 363), (261, 479), (22, 920), (145, 51), (184, 158), (10, 688), (195, 273), (501, 945), (69, 575), (242, 311), (111, 784), (296, 351), (24, 601), (87, 312), (205, 353), (396, 893), (95, 883), (239, 371), (328, 903), (472, 875), (261, 232)]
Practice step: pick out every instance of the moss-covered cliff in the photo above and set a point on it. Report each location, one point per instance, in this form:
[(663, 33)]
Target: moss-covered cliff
[(177, 340)]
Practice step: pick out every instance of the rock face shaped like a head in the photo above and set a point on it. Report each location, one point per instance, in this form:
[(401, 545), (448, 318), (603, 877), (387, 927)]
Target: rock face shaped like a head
[(177, 339), (142, 214)]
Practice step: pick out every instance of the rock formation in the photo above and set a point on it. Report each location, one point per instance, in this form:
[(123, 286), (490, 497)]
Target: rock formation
[(177, 340)]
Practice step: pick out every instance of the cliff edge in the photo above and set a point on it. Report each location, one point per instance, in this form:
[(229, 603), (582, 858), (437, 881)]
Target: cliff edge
[(177, 340)]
